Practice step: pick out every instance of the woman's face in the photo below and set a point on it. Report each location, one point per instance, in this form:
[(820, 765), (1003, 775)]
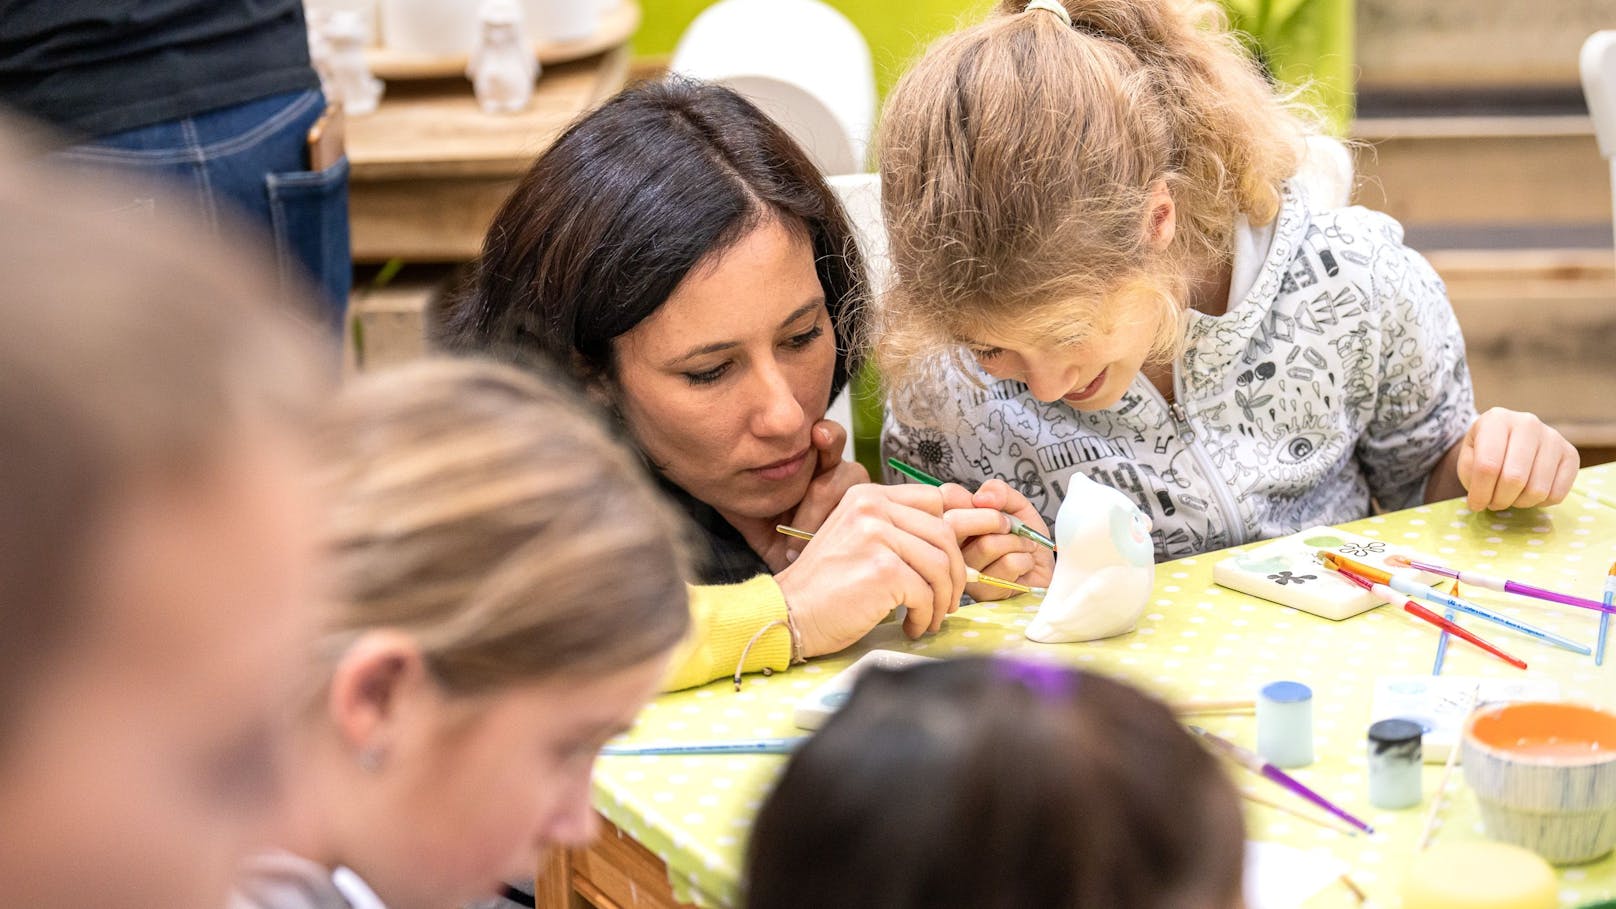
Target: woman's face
[(721, 385), (146, 762), (475, 791)]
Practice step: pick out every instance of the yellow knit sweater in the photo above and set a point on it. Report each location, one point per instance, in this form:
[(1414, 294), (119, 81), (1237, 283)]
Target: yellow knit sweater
[(723, 617)]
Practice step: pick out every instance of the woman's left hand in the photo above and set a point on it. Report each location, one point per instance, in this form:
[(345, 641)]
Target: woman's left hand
[(1510, 459)]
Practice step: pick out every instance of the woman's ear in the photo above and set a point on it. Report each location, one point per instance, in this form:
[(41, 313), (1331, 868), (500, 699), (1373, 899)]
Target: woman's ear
[(1163, 216), (369, 687)]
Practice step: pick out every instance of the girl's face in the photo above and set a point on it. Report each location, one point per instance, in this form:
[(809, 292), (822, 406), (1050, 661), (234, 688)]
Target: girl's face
[(475, 791), (723, 383), (145, 763), (1091, 374)]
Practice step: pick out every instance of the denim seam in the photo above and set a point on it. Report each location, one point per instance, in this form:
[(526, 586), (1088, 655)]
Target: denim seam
[(210, 211), (220, 149)]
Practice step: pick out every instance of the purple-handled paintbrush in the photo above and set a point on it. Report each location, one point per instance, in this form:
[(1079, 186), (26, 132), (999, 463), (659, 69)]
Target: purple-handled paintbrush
[(1502, 585), (1254, 762)]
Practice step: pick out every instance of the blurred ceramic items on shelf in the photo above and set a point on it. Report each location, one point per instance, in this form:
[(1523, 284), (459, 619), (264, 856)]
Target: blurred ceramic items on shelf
[(358, 90), (502, 67), (564, 20), (439, 28)]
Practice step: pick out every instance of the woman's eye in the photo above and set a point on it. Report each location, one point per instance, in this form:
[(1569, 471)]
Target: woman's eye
[(709, 376), (798, 342), (986, 353)]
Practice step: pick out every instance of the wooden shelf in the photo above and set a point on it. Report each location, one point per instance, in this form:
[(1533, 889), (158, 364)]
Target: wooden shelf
[(617, 26), (429, 168)]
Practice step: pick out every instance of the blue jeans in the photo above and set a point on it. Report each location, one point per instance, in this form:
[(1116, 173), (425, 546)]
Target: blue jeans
[(248, 163)]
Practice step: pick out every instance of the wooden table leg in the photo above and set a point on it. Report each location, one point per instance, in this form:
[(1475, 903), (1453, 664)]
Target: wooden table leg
[(553, 888)]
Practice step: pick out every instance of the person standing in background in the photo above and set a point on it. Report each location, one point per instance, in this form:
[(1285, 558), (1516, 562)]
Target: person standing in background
[(214, 96)]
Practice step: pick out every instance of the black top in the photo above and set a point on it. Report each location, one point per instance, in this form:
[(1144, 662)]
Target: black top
[(721, 553), (93, 67)]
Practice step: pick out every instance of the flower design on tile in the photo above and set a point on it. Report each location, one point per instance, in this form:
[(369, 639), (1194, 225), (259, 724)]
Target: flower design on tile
[(1286, 577), (1359, 550)]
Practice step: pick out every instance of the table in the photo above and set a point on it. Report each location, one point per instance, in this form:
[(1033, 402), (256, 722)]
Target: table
[(677, 825), (428, 169)]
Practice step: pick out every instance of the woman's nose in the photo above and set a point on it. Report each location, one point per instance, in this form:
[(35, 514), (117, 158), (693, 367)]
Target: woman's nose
[(776, 411)]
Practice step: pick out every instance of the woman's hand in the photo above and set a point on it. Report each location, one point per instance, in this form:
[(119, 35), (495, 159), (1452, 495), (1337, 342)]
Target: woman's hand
[(882, 547), (833, 477), (989, 547), (1510, 459)]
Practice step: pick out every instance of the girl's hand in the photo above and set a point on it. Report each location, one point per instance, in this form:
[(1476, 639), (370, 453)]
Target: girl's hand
[(881, 548), (1510, 459), (995, 551)]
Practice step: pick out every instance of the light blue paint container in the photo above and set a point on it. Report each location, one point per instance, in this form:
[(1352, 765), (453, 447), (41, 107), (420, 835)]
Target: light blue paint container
[(1285, 724)]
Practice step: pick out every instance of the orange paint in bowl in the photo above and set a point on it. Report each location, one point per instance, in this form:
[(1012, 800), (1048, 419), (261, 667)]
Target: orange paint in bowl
[(1560, 733), (1545, 777)]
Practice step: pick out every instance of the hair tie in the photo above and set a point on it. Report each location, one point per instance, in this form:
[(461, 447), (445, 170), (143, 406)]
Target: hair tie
[(1049, 681), (1053, 6)]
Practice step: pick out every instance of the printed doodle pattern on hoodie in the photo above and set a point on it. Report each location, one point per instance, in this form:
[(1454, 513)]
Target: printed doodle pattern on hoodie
[(1338, 379)]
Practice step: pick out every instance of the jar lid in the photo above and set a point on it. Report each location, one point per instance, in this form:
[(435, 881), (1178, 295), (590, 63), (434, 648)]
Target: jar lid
[(1395, 732), (1287, 692)]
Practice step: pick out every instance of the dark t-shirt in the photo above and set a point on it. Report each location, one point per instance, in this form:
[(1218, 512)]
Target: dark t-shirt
[(93, 67), (721, 554)]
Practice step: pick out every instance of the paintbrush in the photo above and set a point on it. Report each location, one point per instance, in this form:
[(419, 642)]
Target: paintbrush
[(1193, 708), (1438, 799), (1442, 639), (1502, 585), (1604, 620), (1254, 762), (1414, 588), (1420, 612), (1267, 802), (1017, 526), (737, 746), (972, 576)]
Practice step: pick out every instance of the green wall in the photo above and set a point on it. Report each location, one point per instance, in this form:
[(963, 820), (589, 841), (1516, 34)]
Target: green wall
[(1304, 42), (897, 30)]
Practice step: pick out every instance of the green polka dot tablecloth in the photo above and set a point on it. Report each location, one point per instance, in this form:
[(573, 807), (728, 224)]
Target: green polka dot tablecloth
[(1197, 641)]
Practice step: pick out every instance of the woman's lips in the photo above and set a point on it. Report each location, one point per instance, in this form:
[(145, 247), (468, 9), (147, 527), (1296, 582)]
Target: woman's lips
[(785, 469), (1087, 391)]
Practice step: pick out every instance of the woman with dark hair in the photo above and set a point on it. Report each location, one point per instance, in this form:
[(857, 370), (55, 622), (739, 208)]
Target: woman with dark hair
[(682, 258), (1065, 789)]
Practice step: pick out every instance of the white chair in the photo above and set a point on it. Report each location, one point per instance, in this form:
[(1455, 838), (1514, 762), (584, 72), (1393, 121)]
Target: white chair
[(860, 195), (801, 61), (1325, 174), (1599, 87)]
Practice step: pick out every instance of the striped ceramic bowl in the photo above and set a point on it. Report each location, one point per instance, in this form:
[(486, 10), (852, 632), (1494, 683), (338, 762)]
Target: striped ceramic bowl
[(1545, 777)]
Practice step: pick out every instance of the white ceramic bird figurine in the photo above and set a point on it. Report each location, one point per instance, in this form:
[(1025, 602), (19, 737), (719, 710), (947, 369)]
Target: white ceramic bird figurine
[(502, 67), (1104, 572), (346, 35)]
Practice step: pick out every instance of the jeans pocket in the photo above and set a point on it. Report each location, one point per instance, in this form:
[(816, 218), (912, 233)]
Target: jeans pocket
[(308, 213)]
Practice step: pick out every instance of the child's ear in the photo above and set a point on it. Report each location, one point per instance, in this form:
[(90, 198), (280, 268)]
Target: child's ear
[(1162, 217), (369, 685)]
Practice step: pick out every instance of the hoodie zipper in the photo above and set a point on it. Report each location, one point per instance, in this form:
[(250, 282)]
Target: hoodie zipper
[(1235, 526)]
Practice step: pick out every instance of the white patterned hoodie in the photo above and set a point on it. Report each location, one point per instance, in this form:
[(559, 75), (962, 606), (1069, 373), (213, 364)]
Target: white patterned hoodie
[(1340, 377)]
